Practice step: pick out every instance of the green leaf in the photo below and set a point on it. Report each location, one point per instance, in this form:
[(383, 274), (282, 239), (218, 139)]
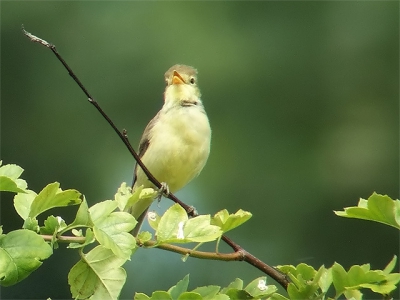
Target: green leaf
[(11, 170), (9, 179), (179, 288), (101, 210), (353, 294), (172, 220), (359, 274), (307, 272), (9, 185), (122, 196), (21, 252), (98, 275), (141, 296), (82, 216), (228, 221), (190, 296), (208, 292), (31, 224), (325, 279), (144, 237), (379, 208), (175, 227), (236, 284), (288, 269), (304, 281), (380, 288), (339, 278), (52, 196), (259, 289), (219, 297), (154, 219), (303, 290), (141, 200), (235, 294), (390, 266), (277, 296), (52, 225), (111, 228), (200, 230), (160, 295), (23, 202), (362, 277)]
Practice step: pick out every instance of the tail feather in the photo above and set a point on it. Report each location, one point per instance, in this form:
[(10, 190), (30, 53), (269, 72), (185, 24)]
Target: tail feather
[(139, 224)]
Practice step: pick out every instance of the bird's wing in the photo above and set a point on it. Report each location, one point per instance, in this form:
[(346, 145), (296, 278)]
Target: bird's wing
[(145, 142)]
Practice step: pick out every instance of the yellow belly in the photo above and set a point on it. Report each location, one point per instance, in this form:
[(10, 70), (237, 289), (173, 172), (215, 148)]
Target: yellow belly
[(178, 150)]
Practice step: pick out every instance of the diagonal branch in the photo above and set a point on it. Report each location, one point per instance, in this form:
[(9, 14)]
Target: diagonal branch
[(242, 254)]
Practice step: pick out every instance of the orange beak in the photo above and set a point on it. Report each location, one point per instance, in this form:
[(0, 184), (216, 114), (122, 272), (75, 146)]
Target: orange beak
[(177, 78)]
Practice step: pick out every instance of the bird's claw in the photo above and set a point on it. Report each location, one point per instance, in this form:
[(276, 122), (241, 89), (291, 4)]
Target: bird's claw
[(163, 191)]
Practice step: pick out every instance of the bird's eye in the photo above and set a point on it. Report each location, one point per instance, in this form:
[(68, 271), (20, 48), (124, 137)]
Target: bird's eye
[(192, 80)]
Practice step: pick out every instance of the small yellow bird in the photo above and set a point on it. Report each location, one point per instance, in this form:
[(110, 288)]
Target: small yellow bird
[(176, 143)]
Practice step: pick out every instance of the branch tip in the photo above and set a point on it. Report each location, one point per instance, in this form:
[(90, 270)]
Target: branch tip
[(34, 38)]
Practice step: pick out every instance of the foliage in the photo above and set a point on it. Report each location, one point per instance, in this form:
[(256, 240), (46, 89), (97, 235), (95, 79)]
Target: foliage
[(308, 283), (101, 234), (235, 290), (378, 208)]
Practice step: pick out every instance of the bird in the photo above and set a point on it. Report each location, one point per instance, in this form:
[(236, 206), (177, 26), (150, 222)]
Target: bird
[(175, 144)]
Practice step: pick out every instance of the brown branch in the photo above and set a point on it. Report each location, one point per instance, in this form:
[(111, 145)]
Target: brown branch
[(246, 256), (234, 256), (64, 238)]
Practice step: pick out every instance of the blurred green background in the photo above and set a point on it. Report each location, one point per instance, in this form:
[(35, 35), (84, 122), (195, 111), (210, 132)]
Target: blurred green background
[(302, 98)]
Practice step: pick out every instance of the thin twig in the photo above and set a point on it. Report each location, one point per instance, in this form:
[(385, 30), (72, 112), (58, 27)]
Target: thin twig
[(241, 253), (64, 238), (234, 256)]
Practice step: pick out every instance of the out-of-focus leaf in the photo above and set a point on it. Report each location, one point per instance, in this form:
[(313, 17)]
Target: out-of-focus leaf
[(359, 277), (258, 288), (208, 292), (179, 288), (236, 284)]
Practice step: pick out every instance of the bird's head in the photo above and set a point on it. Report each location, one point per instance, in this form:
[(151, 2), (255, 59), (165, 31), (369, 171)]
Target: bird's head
[(181, 83)]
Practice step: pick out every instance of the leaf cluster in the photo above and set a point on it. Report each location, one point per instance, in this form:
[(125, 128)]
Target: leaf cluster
[(99, 272), (256, 289), (101, 235), (308, 283)]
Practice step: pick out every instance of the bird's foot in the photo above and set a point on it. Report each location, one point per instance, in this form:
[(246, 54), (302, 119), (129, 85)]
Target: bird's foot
[(163, 191)]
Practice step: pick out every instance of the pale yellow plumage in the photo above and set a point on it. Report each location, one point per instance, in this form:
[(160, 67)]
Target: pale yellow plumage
[(176, 143)]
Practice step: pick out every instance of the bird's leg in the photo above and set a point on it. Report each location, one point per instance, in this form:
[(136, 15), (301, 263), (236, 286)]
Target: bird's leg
[(163, 191)]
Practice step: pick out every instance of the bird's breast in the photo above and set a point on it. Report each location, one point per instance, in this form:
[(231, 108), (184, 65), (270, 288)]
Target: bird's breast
[(179, 146)]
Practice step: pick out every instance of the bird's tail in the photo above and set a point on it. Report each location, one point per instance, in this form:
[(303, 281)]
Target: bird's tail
[(139, 224)]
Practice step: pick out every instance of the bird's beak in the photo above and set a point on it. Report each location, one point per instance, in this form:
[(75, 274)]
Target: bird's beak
[(177, 78)]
